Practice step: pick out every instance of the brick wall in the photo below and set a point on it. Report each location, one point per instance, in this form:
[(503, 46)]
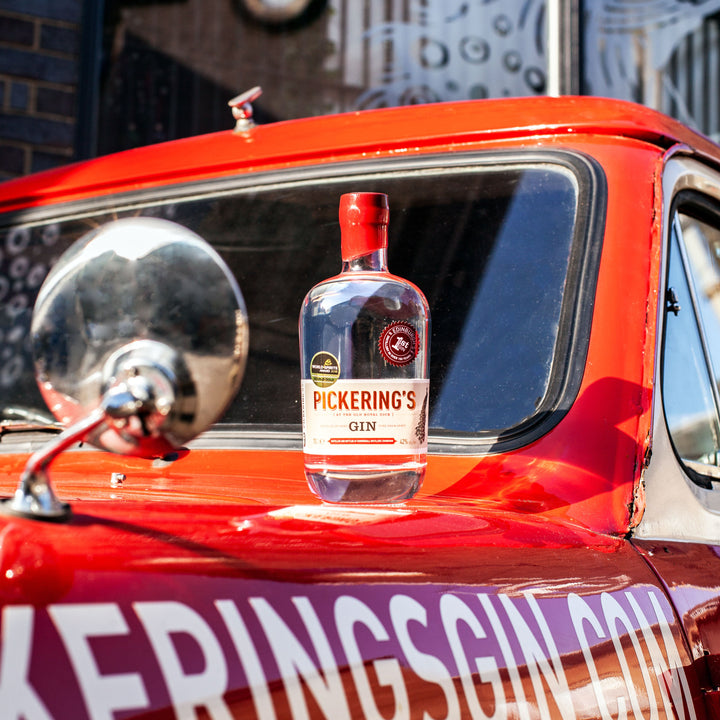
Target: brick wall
[(39, 67)]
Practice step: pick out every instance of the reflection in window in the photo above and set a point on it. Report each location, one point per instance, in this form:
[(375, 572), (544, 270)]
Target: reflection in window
[(702, 243), (687, 390), (490, 246)]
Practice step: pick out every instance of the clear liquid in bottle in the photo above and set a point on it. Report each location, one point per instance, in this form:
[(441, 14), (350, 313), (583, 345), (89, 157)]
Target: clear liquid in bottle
[(364, 369)]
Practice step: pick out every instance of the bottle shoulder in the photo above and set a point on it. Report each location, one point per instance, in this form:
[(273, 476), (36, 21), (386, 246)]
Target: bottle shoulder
[(364, 284)]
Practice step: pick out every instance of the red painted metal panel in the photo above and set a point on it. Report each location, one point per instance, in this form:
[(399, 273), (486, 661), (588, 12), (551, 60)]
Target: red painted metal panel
[(431, 128), (219, 585), (368, 609)]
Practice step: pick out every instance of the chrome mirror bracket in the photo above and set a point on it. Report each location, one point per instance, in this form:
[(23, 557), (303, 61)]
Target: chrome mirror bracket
[(143, 387), (140, 336), (34, 497)]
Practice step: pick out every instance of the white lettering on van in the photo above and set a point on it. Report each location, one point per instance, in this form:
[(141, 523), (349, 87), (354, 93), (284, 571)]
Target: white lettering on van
[(536, 657), (187, 690), (385, 640), (18, 698), (103, 694), (614, 615), (454, 611), (671, 674), (349, 612), (403, 611), (522, 705), (248, 657), (581, 613), (295, 662)]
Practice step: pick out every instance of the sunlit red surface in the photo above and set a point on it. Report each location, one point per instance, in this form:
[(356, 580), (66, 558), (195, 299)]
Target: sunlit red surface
[(547, 522)]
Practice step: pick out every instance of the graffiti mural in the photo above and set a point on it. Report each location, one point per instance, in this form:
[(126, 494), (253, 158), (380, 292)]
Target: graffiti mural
[(662, 53), (440, 50)]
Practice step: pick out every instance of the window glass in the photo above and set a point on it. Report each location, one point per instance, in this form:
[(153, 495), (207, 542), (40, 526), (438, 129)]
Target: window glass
[(702, 243), (490, 247), (687, 389)]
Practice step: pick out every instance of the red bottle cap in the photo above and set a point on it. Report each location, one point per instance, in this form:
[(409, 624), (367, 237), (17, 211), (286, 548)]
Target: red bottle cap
[(363, 223)]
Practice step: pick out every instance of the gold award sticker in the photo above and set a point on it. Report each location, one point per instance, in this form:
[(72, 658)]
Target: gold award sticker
[(324, 369)]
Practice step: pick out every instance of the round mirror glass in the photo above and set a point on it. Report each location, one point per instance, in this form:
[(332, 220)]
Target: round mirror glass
[(145, 312)]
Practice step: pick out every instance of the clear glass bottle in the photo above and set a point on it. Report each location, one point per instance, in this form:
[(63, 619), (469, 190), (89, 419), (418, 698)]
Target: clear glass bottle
[(364, 369)]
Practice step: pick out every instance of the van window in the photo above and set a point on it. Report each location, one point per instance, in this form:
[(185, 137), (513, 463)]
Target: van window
[(493, 246)]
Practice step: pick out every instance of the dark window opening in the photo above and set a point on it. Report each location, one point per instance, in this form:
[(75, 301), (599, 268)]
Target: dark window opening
[(494, 247)]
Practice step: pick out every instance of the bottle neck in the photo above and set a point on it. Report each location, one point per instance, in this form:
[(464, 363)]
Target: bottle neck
[(375, 261)]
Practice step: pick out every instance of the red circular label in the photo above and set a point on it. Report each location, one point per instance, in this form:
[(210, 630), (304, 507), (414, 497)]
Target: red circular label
[(399, 343)]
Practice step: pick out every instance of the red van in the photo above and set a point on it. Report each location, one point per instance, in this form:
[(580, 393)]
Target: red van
[(559, 560)]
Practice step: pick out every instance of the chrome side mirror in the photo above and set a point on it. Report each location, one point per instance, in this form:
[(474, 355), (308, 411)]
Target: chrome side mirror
[(140, 337)]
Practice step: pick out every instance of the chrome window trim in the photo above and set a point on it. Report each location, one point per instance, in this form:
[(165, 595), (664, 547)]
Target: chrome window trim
[(676, 507)]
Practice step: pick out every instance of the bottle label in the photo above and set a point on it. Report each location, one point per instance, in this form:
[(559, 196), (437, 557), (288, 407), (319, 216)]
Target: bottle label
[(365, 417)]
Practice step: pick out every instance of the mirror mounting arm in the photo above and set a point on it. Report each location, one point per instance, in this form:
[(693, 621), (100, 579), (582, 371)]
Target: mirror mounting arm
[(34, 497), (140, 386), (148, 372)]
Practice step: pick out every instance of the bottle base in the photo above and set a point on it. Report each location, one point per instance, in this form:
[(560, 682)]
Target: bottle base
[(364, 485)]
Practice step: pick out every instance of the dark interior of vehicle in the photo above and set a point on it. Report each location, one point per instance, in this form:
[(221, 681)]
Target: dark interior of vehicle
[(490, 247)]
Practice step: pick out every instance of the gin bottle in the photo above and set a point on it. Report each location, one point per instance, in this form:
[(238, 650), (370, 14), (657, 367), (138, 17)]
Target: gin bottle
[(364, 369)]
